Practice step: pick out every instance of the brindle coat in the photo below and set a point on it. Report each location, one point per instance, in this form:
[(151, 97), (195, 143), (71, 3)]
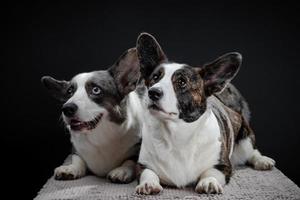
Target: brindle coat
[(202, 91)]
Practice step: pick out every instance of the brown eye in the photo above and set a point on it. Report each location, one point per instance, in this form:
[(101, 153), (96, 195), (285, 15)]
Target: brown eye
[(155, 77), (181, 83), (70, 90), (96, 90)]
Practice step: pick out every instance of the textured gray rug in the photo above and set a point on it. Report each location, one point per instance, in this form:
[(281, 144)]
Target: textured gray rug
[(246, 183)]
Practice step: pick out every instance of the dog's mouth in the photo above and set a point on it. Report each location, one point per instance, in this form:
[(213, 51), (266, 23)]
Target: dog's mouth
[(77, 125), (156, 107)]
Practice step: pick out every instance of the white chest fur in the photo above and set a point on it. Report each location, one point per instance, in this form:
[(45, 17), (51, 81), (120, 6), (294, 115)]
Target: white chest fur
[(110, 144), (179, 152)]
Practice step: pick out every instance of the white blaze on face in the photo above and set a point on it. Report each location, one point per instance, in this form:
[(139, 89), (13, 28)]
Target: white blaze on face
[(87, 109), (168, 102)]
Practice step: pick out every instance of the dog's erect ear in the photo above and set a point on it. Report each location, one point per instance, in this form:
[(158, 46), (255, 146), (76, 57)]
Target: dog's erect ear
[(150, 53), (126, 71), (221, 71), (58, 89)]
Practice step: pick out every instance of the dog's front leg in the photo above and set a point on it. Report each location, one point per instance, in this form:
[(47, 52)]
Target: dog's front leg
[(211, 181), (75, 170), (123, 174), (148, 183)]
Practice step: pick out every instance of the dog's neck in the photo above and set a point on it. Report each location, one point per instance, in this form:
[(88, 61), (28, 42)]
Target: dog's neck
[(182, 133), (105, 131)]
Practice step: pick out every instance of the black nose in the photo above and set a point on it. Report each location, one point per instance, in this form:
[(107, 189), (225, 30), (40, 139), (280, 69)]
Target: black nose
[(155, 94), (69, 109)]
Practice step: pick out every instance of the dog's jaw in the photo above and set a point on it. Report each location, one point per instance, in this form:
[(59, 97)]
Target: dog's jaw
[(78, 126), (159, 112)]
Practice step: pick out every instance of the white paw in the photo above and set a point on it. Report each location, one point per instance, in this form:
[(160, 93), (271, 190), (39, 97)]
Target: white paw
[(263, 163), (209, 185), (68, 172), (148, 188), (123, 174)]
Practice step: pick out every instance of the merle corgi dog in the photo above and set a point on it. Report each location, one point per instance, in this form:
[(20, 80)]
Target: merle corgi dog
[(99, 110), (193, 134)]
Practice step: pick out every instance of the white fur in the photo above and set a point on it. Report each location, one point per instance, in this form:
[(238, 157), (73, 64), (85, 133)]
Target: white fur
[(244, 152), (179, 152), (135, 110), (261, 162), (209, 185), (125, 173), (76, 169), (168, 101), (211, 181), (149, 183), (105, 147)]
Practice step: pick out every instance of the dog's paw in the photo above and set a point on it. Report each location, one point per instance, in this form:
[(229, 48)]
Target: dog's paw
[(209, 185), (148, 188), (263, 163), (123, 174), (68, 172)]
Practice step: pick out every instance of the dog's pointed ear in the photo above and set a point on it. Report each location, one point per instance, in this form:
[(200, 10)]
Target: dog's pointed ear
[(58, 89), (126, 71), (150, 53), (221, 71)]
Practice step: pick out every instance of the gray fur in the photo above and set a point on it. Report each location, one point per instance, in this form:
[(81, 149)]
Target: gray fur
[(109, 98), (232, 98), (58, 89)]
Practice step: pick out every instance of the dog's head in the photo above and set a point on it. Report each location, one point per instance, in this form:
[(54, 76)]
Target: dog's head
[(91, 98), (179, 91)]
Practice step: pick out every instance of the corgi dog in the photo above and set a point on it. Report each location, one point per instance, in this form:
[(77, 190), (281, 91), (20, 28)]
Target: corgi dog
[(99, 110), (195, 129)]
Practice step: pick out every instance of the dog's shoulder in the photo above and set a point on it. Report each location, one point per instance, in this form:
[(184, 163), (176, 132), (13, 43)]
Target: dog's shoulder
[(229, 122), (226, 116)]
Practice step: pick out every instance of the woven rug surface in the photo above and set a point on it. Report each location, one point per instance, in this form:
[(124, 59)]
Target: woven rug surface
[(246, 183)]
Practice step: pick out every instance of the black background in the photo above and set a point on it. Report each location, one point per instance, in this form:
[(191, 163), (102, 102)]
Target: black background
[(64, 39)]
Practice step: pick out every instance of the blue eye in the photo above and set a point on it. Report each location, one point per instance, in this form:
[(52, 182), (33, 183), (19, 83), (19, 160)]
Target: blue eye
[(96, 90)]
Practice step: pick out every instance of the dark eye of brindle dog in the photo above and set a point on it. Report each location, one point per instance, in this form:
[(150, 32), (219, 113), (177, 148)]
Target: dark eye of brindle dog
[(181, 82), (156, 76), (70, 90)]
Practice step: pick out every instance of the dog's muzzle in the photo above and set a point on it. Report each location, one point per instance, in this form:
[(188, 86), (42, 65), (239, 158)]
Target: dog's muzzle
[(155, 94), (77, 125)]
